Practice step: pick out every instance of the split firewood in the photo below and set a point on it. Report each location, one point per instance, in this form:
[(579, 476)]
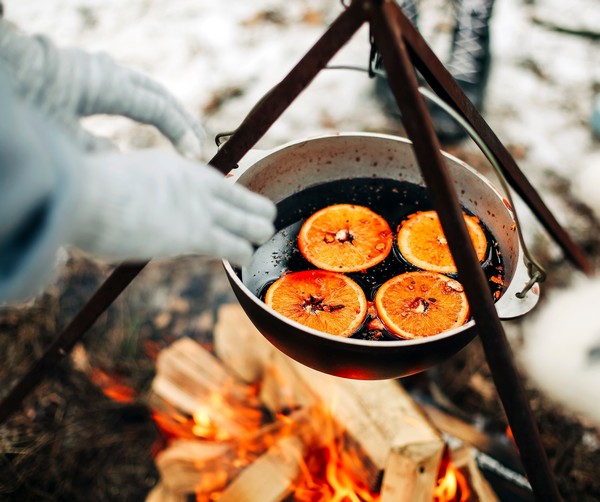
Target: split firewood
[(239, 345), (203, 467), (230, 421), (194, 466), (160, 493), (190, 366), (194, 381), (411, 472), (271, 477), (481, 491), (381, 421)]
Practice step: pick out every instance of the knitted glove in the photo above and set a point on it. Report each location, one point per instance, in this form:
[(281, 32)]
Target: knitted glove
[(118, 206), (153, 203), (69, 84)]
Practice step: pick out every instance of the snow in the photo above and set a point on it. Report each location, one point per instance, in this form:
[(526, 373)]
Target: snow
[(540, 98)]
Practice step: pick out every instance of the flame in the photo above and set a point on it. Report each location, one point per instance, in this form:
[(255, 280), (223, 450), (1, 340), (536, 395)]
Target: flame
[(452, 486), (173, 425), (112, 386), (331, 471), (205, 428), (511, 437)]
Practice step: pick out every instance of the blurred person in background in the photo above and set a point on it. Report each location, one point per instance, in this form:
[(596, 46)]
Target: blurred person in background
[(61, 186), (468, 62)]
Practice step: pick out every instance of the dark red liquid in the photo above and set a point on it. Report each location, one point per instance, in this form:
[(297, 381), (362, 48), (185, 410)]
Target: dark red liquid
[(394, 200)]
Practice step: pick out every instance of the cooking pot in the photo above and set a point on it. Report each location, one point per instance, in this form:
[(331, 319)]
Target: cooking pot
[(292, 168)]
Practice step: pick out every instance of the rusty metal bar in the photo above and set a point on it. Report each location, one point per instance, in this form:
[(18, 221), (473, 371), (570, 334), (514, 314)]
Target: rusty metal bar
[(97, 304), (388, 35), (258, 121), (444, 85), (274, 103)]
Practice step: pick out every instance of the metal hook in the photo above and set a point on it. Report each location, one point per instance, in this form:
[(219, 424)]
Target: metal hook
[(537, 276), (222, 137)]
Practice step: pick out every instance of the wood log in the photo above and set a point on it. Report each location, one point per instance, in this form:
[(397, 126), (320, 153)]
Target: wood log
[(220, 416), (160, 493), (271, 477), (239, 345), (187, 364), (203, 467), (194, 381), (481, 491), (382, 422), (194, 466)]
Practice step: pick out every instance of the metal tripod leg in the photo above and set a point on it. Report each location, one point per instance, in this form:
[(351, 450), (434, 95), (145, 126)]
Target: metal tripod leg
[(401, 75), (264, 114), (444, 85)]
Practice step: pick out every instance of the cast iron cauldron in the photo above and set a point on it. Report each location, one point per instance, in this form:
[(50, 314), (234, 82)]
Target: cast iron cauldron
[(295, 167)]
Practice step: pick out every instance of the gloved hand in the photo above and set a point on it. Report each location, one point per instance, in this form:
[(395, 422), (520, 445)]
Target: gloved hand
[(69, 84), (153, 203)]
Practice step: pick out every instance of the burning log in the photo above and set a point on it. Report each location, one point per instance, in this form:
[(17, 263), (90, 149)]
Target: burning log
[(194, 381), (380, 419), (205, 467), (480, 490), (162, 494), (192, 466), (271, 477)]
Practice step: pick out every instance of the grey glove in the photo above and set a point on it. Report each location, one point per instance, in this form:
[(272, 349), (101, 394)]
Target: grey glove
[(69, 84), (153, 203), (118, 206)]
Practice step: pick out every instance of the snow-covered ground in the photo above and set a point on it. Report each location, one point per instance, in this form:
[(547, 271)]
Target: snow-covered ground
[(219, 58), (540, 93)]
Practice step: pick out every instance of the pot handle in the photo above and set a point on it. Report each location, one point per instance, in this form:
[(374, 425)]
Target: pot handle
[(536, 273), (523, 292)]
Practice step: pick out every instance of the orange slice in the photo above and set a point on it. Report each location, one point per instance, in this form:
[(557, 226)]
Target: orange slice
[(326, 301), (422, 242), (420, 304), (345, 238)]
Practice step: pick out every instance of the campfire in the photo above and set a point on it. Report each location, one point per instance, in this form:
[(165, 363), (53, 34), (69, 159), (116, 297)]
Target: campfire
[(242, 422)]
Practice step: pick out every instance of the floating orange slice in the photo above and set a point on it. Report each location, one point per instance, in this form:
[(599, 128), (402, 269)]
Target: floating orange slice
[(420, 304), (422, 242), (345, 238), (326, 301)]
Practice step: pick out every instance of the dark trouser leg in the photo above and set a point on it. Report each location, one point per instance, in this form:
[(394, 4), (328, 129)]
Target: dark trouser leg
[(469, 61), (411, 9)]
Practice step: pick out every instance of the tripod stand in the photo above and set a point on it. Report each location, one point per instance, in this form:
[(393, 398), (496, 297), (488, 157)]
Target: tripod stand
[(402, 49)]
